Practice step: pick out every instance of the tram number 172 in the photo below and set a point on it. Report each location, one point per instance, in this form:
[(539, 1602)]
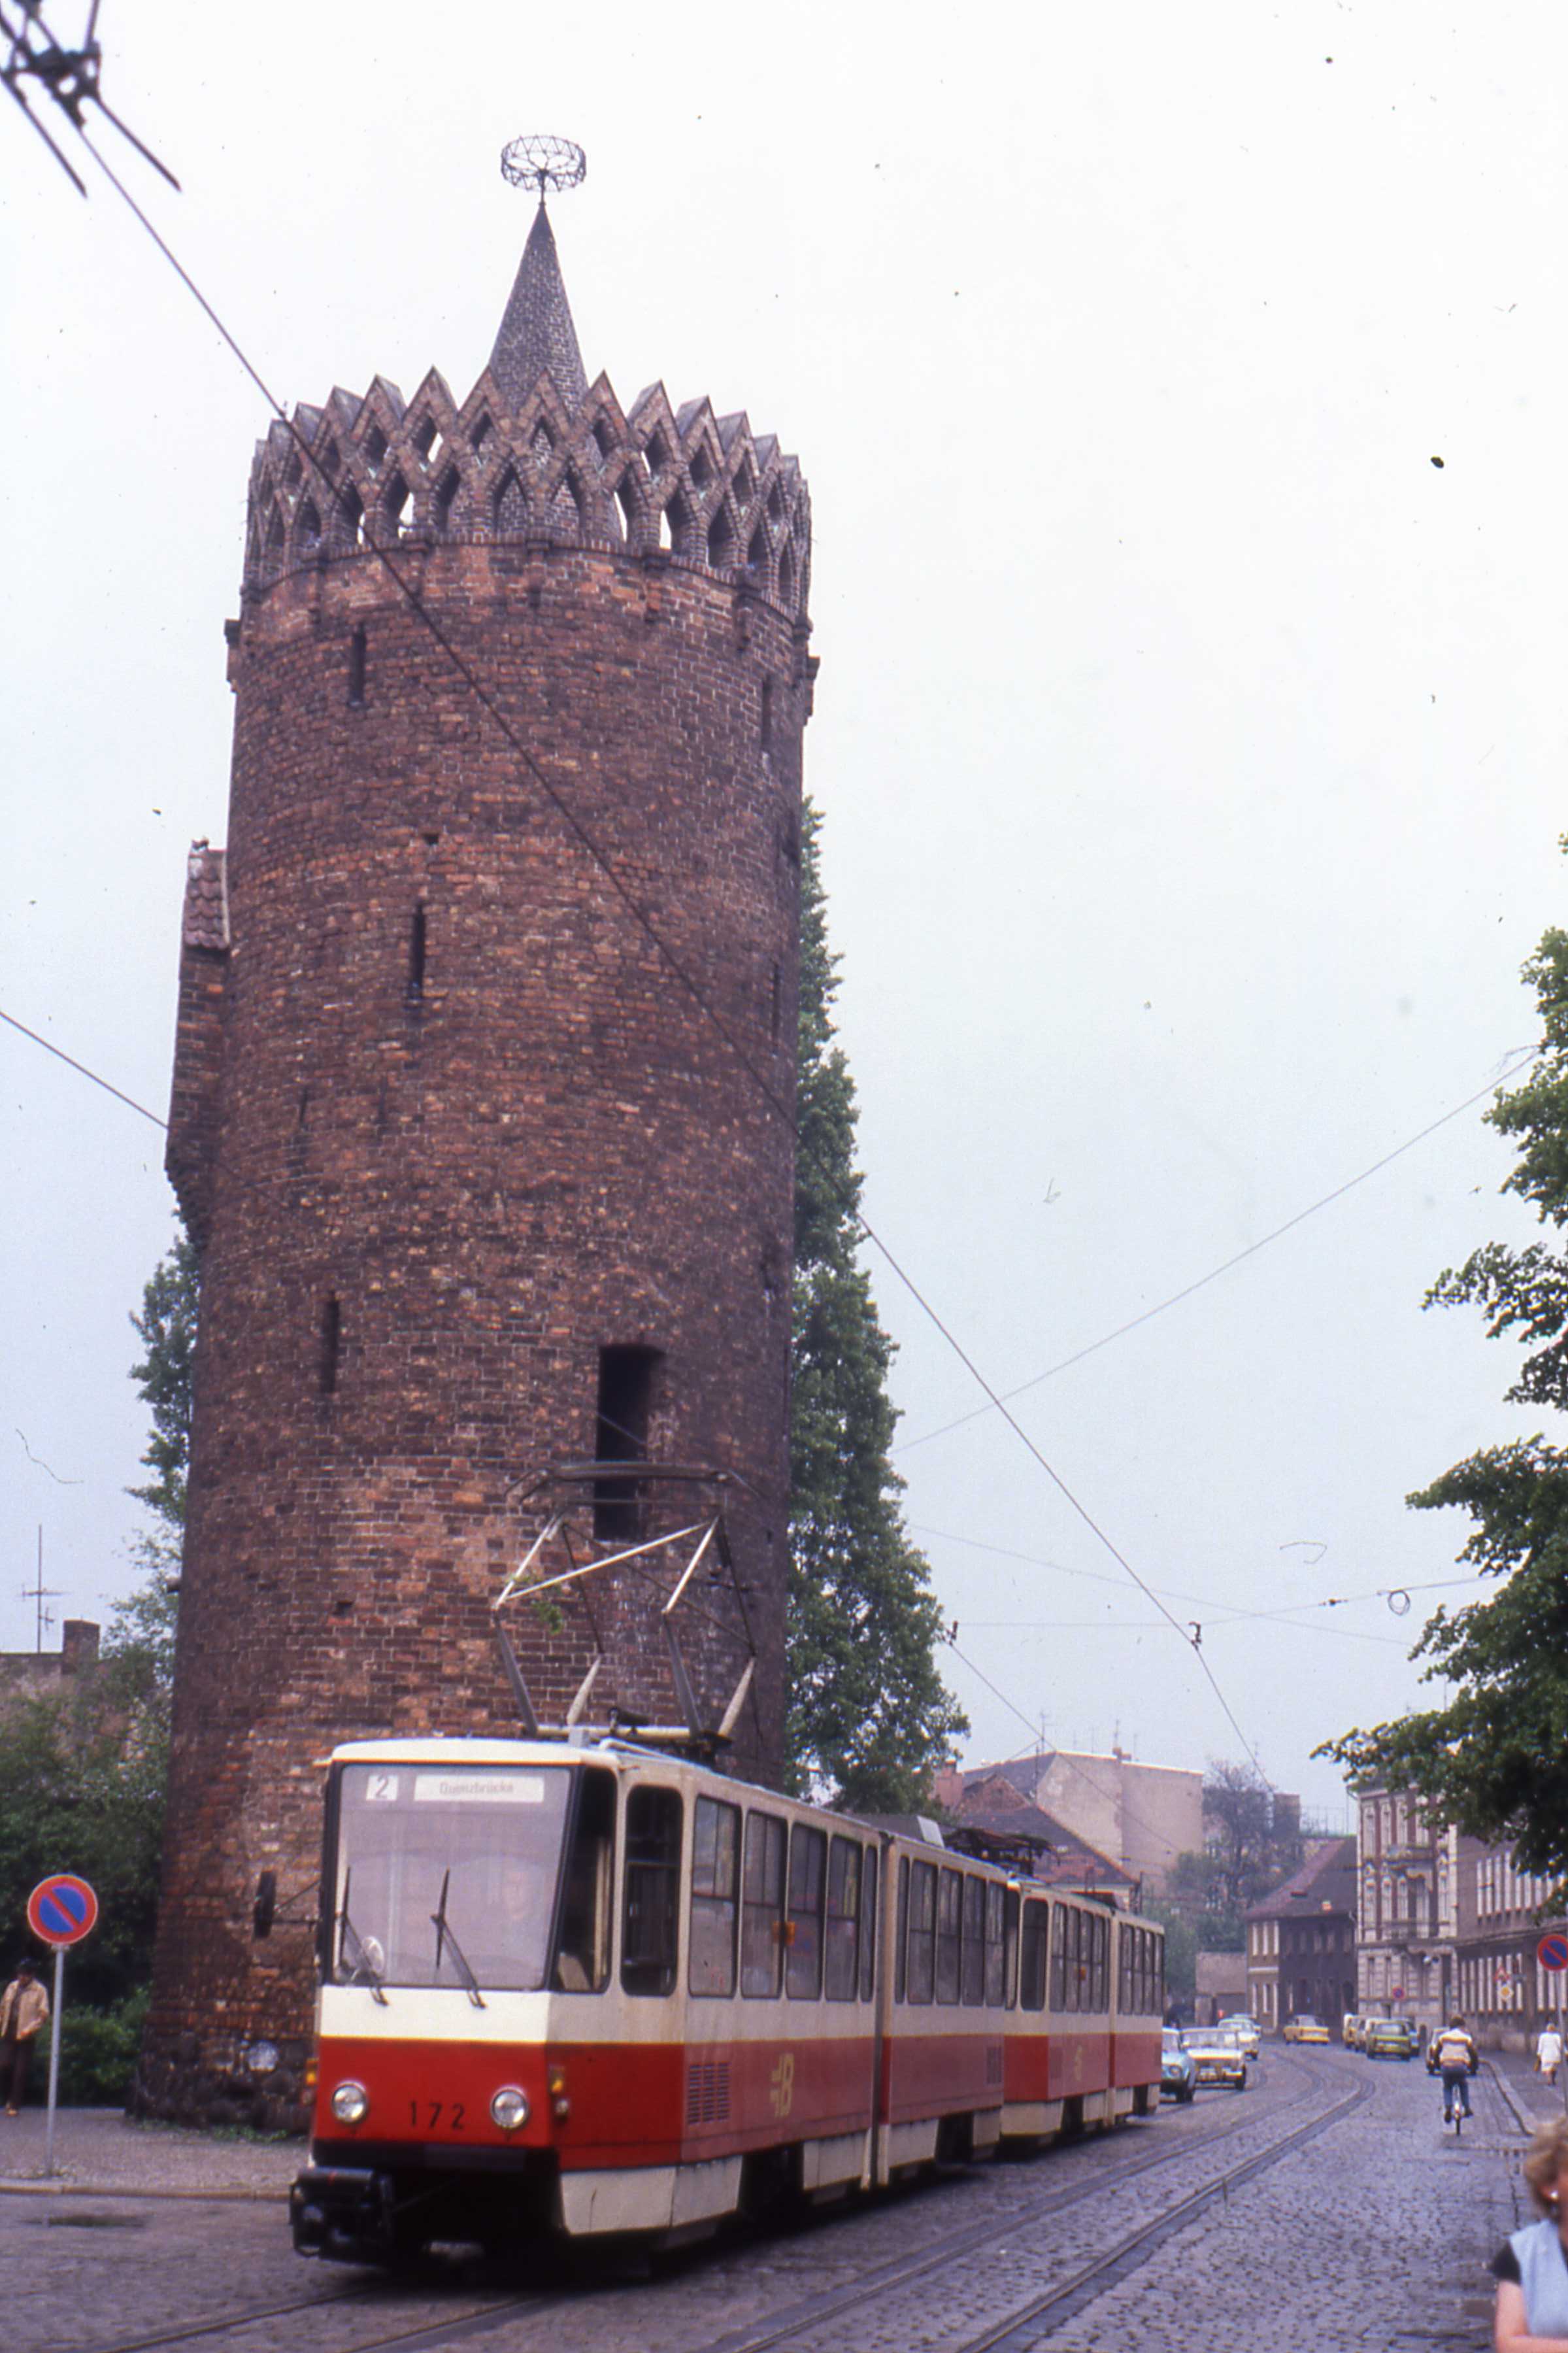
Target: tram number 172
[(434, 2110)]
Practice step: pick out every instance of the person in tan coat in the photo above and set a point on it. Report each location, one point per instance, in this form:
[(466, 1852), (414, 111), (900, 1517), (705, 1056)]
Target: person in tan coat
[(24, 2008)]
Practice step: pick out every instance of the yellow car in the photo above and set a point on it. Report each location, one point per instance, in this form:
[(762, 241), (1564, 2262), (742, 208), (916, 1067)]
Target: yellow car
[(1306, 2029)]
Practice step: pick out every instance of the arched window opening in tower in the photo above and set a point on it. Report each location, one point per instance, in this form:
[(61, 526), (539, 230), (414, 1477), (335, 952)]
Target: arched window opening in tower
[(413, 988), (766, 716), (510, 508), (720, 543), (447, 490), (625, 1412), (356, 668), (331, 1344), (398, 505)]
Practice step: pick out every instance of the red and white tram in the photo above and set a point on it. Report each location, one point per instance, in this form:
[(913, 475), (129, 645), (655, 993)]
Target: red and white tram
[(596, 1988)]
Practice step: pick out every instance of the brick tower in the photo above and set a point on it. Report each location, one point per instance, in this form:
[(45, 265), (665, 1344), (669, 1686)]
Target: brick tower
[(479, 1186)]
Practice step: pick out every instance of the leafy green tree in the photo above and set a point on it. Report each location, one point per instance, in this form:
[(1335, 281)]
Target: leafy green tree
[(1493, 1758), (869, 1717), (167, 1330)]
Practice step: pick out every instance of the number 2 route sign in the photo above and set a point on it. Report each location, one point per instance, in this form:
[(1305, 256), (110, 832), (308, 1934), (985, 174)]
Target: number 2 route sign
[(1552, 1952), (62, 1910)]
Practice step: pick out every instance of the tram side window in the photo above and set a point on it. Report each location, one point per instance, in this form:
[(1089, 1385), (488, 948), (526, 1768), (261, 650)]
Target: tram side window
[(715, 1874), (995, 1974), (1059, 1917), (583, 1945), (1032, 1960), (868, 1925), (922, 1932), (1157, 1978), (901, 1934), (1126, 1969), (762, 1906), (1010, 1909), (1070, 1923), (650, 1923), (802, 1937), (974, 1943), (843, 1919), (949, 1934), (1099, 1977)]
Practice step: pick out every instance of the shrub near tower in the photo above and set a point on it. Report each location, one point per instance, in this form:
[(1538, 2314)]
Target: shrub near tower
[(478, 1185)]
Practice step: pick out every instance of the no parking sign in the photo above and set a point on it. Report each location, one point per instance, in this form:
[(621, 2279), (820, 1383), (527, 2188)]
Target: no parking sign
[(1552, 1951), (62, 1910)]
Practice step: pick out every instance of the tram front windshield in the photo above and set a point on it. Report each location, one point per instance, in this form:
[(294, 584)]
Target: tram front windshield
[(447, 1875)]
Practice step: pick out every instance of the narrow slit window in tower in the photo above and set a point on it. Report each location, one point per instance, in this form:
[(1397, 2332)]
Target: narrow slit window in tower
[(777, 1003), (415, 986), (331, 1344), (620, 1436), (765, 718), (356, 668)]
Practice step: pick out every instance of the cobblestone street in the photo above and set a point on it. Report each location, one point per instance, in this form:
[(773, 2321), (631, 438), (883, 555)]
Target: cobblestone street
[(1368, 2228)]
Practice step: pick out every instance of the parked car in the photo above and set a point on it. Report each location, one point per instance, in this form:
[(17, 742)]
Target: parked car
[(1353, 2034), (1391, 2038), (1217, 2057), (1247, 2030), (1178, 2069), (1306, 2029)]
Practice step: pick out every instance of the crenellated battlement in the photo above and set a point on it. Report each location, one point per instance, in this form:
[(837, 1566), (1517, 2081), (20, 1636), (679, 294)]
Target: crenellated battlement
[(703, 490)]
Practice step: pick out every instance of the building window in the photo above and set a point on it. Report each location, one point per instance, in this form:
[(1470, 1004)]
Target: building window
[(620, 1435)]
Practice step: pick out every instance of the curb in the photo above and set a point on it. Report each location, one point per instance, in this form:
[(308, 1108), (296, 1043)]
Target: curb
[(62, 2189), (1526, 2124)]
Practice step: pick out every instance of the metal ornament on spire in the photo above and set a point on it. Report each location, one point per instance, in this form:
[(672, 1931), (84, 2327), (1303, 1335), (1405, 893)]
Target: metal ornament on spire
[(539, 161)]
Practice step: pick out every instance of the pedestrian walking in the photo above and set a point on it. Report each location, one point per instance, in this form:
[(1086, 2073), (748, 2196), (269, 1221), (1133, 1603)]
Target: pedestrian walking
[(24, 2008), (1548, 2053), (1532, 2269)]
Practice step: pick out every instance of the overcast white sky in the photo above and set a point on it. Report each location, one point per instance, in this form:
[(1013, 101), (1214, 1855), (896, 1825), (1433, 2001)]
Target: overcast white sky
[(1190, 746)]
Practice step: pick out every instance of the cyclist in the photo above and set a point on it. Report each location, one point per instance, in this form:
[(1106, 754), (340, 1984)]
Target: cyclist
[(1457, 2062)]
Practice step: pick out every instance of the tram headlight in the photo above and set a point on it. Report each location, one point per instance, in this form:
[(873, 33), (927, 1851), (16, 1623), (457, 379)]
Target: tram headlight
[(509, 2107), (351, 2104)]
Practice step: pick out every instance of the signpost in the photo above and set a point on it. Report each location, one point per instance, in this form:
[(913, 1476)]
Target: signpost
[(1551, 1953), (62, 1911)]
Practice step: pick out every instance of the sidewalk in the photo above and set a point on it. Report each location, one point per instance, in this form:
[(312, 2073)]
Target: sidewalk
[(99, 2153), (1532, 2098)]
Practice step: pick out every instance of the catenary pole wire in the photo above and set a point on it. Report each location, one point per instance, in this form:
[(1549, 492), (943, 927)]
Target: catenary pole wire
[(1326, 1200)]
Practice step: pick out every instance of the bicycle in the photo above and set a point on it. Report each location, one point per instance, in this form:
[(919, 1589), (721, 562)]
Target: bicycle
[(1456, 2098)]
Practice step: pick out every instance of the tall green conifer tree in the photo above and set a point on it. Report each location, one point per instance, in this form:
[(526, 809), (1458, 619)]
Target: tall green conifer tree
[(869, 1718)]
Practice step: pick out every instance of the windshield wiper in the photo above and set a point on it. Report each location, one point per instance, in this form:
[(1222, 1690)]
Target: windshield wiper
[(444, 1935), (371, 1966)]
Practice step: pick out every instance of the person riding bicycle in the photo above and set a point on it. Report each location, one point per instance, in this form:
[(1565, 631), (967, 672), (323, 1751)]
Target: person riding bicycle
[(1457, 2062)]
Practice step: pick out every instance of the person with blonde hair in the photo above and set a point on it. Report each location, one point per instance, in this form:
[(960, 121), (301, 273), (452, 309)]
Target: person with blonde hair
[(1531, 2270)]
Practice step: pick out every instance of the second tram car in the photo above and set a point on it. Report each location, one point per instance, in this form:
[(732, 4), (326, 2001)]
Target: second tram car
[(597, 1989)]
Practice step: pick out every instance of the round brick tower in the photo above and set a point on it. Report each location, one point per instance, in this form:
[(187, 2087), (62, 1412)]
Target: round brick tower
[(478, 1184)]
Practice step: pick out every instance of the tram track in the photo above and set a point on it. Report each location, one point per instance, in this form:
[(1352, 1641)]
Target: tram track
[(1021, 2326)]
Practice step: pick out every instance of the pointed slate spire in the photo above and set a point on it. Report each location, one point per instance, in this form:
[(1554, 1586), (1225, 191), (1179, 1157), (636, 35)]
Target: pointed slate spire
[(537, 331)]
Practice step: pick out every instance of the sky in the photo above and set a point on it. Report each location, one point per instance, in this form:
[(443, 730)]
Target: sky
[(1189, 742)]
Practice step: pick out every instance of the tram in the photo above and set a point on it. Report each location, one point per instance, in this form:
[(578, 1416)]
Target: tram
[(596, 1988)]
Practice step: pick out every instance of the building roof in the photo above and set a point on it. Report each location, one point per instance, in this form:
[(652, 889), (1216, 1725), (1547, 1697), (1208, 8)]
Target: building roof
[(1325, 1881), (536, 333)]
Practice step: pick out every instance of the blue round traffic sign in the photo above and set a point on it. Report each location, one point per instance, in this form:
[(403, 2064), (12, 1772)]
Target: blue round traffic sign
[(1552, 1952), (62, 1909)]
